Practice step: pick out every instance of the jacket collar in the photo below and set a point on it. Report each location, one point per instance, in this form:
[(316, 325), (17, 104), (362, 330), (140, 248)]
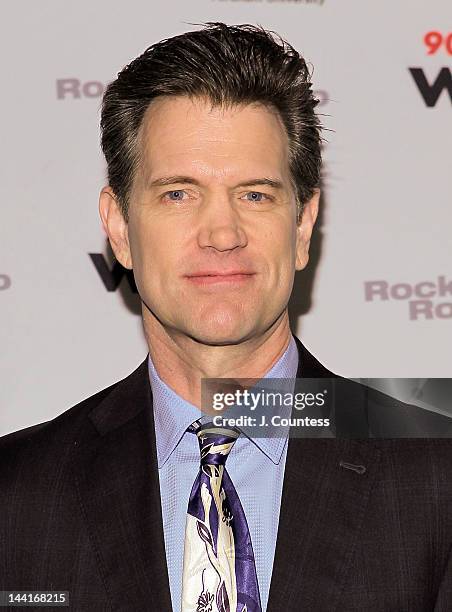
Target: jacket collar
[(133, 394)]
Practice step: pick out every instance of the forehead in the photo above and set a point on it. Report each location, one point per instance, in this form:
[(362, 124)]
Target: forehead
[(192, 136)]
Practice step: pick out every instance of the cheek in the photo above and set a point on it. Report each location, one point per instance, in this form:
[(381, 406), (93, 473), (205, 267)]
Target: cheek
[(284, 251), (158, 258), (150, 244)]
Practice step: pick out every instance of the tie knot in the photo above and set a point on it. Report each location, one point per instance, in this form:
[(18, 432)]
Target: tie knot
[(215, 443)]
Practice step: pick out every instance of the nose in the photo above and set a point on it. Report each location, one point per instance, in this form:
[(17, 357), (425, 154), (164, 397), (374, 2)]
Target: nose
[(221, 226)]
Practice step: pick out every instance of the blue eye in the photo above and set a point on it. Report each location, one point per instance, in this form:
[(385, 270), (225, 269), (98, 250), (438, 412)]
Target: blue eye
[(177, 193), (256, 196)]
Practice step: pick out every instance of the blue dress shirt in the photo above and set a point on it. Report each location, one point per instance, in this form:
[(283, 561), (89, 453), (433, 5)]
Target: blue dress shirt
[(255, 465)]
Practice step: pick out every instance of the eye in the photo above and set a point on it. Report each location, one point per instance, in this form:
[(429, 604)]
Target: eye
[(256, 196), (177, 193)]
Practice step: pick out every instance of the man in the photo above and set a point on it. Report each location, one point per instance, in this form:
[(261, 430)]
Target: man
[(213, 156)]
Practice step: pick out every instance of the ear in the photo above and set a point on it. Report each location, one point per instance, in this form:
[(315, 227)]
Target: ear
[(115, 226), (304, 230)]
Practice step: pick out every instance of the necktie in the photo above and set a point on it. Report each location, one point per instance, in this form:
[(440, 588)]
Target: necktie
[(219, 572)]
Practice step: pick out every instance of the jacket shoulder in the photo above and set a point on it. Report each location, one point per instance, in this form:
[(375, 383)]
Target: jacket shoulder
[(12, 442), (66, 424), (51, 440)]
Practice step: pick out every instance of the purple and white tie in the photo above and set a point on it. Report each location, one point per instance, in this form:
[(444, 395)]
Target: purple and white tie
[(219, 572)]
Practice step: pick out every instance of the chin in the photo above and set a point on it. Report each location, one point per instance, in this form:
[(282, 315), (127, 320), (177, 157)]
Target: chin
[(219, 336), (218, 324)]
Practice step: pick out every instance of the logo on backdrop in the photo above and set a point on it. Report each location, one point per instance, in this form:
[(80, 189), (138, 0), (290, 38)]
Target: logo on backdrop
[(432, 87), (426, 300), (5, 282), (74, 89), (112, 276)]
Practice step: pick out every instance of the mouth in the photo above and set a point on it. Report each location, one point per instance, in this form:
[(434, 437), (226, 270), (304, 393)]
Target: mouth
[(220, 278)]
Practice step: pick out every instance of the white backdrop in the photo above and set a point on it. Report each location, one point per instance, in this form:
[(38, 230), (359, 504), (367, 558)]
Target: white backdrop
[(377, 297)]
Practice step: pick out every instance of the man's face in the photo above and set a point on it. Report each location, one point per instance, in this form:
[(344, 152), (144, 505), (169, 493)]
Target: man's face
[(213, 251)]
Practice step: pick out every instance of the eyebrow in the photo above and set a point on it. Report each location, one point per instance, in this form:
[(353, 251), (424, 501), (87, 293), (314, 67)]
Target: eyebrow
[(170, 180)]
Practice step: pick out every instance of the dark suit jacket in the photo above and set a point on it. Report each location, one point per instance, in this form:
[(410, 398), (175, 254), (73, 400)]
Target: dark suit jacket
[(80, 512)]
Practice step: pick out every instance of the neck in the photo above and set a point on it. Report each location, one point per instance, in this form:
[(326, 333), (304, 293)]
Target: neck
[(182, 362)]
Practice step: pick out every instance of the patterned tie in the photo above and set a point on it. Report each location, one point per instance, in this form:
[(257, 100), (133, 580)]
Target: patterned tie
[(219, 573)]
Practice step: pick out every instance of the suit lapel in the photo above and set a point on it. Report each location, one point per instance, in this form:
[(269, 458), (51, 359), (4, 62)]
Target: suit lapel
[(322, 511), (118, 483)]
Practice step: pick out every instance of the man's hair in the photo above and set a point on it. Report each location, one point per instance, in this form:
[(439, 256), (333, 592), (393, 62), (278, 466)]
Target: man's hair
[(229, 65)]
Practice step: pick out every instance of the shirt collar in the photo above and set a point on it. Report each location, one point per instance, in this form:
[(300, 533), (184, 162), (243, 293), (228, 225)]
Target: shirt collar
[(173, 414)]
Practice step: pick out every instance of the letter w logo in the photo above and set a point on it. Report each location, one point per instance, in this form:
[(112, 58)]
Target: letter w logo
[(112, 278), (431, 93)]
